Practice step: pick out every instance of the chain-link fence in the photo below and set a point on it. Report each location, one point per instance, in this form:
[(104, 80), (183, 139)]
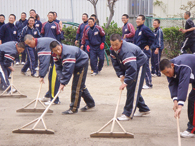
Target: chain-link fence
[(166, 22)]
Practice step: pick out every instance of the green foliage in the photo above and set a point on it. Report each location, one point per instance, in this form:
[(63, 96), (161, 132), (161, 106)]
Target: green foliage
[(173, 39), (113, 28), (69, 35)]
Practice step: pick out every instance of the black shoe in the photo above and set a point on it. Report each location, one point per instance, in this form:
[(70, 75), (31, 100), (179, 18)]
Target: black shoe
[(69, 112), (85, 108)]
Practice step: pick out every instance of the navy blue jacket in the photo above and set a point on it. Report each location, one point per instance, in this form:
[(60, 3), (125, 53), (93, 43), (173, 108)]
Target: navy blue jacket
[(129, 30), (20, 25), (1, 24), (8, 32), (51, 29), (8, 53), (58, 21), (158, 42), (27, 30), (38, 25), (44, 54), (80, 30), (184, 71), (127, 60), (71, 60), (94, 36), (143, 36)]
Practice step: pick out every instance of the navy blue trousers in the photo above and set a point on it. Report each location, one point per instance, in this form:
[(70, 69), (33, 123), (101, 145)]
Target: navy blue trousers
[(4, 75), (155, 60), (79, 89), (54, 83), (95, 54), (148, 76), (30, 61), (36, 58), (128, 109), (23, 57)]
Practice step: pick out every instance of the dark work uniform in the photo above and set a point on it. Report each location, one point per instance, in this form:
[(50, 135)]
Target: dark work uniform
[(74, 61), (129, 31), (80, 32), (20, 25), (127, 62), (1, 24), (184, 71), (189, 41)]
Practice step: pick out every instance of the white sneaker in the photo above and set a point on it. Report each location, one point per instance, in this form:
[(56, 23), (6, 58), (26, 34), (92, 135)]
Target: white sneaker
[(186, 134), (48, 103), (28, 69), (13, 91), (140, 114), (24, 73), (35, 75), (36, 68), (23, 63), (153, 75), (123, 118), (146, 87), (44, 99), (17, 63), (94, 74)]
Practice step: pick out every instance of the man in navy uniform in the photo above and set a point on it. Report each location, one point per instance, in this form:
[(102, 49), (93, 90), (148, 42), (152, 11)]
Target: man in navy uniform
[(156, 48), (180, 72), (95, 38), (20, 25), (127, 59), (71, 60), (189, 32), (2, 19), (128, 31), (144, 38)]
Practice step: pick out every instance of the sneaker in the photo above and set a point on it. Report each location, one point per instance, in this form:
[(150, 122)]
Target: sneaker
[(35, 75), (140, 114), (85, 108), (23, 63), (94, 74), (44, 99), (13, 91), (153, 75), (146, 87), (123, 118), (17, 63), (24, 73), (69, 112), (186, 134), (36, 68), (28, 69), (48, 103)]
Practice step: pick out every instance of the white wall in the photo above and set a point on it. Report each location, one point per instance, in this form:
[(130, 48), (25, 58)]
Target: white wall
[(63, 8)]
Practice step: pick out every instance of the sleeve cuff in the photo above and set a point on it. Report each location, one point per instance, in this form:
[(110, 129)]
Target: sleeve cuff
[(124, 83), (174, 98), (181, 103), (121, 76)]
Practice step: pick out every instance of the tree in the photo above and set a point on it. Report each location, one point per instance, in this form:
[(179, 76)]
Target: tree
[(94, 3), (111, 4)]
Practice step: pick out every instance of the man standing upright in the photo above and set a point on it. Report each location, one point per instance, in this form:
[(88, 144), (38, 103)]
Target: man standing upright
[(128, 30), (81, 28), (189, 32), (144, 38), (2, 19), (20, 25)]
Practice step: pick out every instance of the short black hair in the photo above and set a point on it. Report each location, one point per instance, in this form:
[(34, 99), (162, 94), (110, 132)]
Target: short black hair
[(55, 13), (2, 15), (53, 44), (31, 18), (21, 45), (91, 19), (37, 16), (143, 17), (188, 13), (115, 37), (32, 10), (85, 14), (127, 16), (51, 12), (164, 63), (12, 15), (93, 15), (23, 13), (157, 20)]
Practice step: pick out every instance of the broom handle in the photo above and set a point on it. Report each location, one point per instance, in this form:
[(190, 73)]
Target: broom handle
[(12, 76), (116, 110), (178, 132), (38, 95)]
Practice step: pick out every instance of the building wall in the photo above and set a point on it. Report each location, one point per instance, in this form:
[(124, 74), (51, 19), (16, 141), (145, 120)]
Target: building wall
[(172, 8), (63, 8)]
